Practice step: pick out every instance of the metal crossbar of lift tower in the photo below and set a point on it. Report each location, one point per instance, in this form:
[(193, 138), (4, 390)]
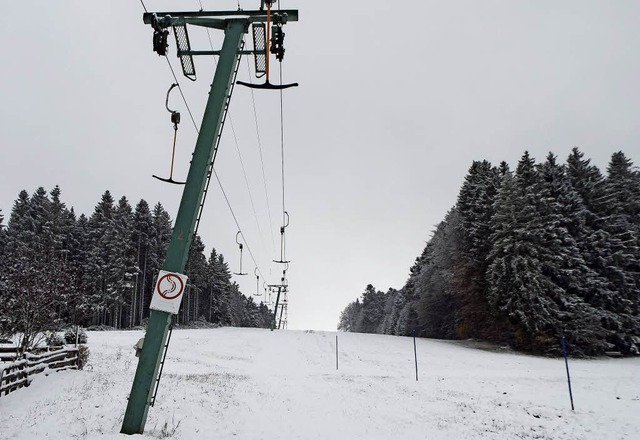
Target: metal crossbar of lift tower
[(193, 17), (216, 52)]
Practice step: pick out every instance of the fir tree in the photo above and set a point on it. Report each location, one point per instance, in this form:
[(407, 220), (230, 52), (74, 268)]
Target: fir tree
[(518, 287), (563, 264), (265, 315), (350, 317), (252, 316), (475, 206), (622, 222), (35, 279), (122, 266), (159, 241), (372, 310), (141, 238), (437, 303), (96, 274), (390, 315), (198, 271), (593, 242), (76, 308), (220, 290)]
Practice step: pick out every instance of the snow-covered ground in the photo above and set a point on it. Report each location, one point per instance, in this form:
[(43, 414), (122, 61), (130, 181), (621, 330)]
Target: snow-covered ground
[(255, 384)]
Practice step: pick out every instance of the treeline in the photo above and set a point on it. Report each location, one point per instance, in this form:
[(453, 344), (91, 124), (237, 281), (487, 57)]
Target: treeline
[(57, 268), (524, 257)]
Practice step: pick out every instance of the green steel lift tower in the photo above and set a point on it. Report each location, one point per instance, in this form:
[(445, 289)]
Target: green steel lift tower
[(170, 285)]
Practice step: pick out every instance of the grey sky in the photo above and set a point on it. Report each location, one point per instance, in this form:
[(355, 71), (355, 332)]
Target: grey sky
[(396, 100)]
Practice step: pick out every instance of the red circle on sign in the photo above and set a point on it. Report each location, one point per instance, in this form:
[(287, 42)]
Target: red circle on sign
[(168, 288)]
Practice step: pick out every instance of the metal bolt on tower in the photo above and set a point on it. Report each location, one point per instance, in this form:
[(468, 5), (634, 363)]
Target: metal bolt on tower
[(167, 293)]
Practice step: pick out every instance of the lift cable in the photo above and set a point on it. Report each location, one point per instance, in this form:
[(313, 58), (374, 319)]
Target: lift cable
[(216, 176), (282, 146), (285, 214), (264, 176), (282, 132), (246, 181), (235, 219), (244, 173)]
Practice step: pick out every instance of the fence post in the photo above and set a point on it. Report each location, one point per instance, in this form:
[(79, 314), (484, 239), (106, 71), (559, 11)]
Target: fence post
[(336, 352), (566, 363), (415, 353)]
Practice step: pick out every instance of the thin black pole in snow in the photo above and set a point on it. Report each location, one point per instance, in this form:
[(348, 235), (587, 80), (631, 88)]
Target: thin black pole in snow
[(336, 352), (566, 363), (415, 353)]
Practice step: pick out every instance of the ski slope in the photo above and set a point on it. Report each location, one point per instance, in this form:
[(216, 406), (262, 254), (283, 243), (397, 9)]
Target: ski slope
[(232, 383)]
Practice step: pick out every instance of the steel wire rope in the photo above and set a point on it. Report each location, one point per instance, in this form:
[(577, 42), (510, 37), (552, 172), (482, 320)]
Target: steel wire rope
[(264, 176), (284, 211), (217, 179), (235, 219), (282, 148), (246, 179), (213, 170)]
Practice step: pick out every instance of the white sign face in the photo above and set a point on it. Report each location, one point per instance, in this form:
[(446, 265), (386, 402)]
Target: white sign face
[(167, 294)]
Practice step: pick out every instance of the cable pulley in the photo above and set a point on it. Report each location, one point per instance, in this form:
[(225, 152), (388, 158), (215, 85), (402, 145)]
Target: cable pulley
[(277, 42), (175, 120), (160, 37)]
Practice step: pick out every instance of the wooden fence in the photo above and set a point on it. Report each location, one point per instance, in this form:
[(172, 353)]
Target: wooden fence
[(15, 375)]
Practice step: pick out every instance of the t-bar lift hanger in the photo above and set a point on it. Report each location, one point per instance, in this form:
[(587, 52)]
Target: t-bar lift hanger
[(268, 45), (175, 118), (241, 247), (255, 272), (282, 228)]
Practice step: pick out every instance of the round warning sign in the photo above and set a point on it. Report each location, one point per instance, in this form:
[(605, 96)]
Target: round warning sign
[(167, 295), (170, 286)]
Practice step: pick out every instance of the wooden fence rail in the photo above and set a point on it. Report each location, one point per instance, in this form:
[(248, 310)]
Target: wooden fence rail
[(16, 375), (8, 353)]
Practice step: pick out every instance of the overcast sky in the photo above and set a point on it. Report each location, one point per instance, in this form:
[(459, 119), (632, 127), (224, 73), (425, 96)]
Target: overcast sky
[(396, 99)]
